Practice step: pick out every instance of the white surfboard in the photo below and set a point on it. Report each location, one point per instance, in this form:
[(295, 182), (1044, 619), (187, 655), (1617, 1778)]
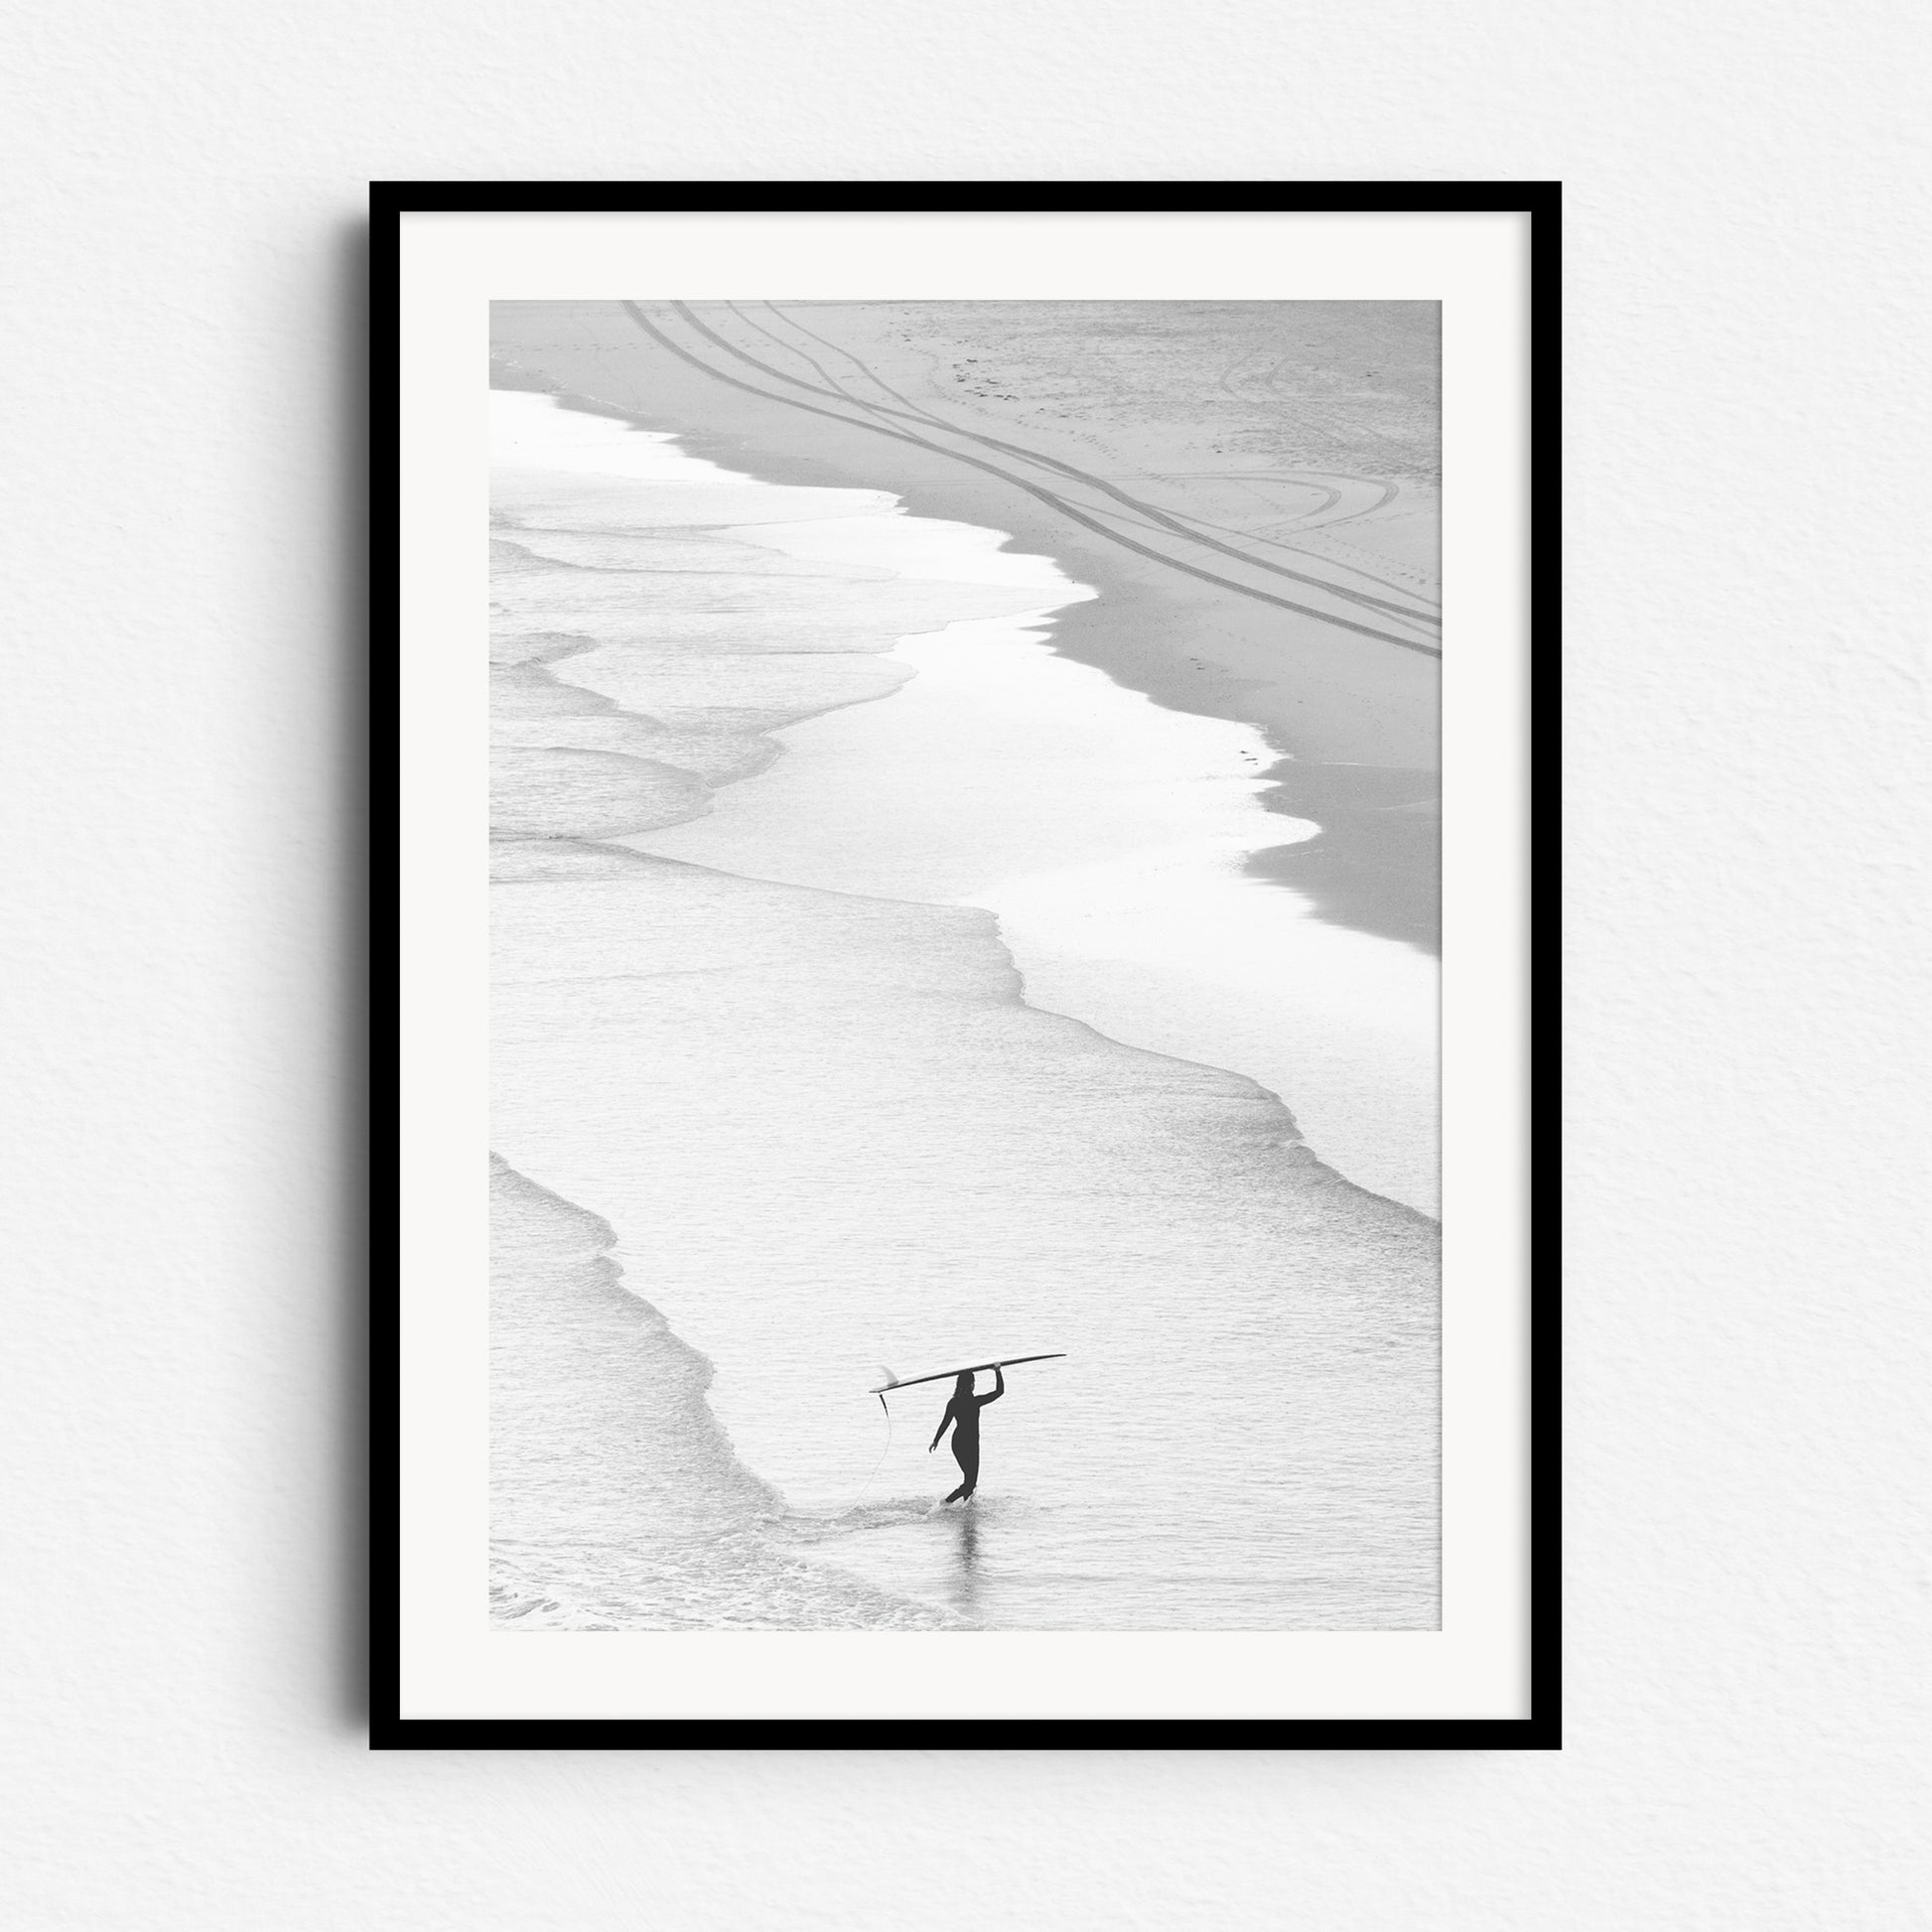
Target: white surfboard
[(891, 1381)]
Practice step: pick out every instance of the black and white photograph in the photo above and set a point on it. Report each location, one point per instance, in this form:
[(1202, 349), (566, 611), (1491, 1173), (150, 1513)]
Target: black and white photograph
[(964, 818)]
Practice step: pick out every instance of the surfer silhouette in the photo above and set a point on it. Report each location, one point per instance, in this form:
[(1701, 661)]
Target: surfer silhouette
[(963, 1414)]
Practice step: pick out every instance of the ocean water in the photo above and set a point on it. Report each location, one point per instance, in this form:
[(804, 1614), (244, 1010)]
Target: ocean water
[(1108, 834), (600, 1429), (852, 1047)]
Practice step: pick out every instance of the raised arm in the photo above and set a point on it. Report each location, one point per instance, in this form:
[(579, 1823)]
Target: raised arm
[(999, 1389)]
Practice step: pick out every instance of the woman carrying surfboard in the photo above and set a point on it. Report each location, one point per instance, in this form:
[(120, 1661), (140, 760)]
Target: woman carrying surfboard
[(963, 1412)]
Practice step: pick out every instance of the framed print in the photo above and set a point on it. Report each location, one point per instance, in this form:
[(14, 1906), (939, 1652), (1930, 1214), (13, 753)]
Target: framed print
[(961, 805)]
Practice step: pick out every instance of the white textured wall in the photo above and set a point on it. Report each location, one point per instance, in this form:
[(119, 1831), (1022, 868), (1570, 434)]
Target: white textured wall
[(1748, 1377)]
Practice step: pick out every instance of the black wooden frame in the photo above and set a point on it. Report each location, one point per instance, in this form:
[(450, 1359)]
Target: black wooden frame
[(1541, 202)]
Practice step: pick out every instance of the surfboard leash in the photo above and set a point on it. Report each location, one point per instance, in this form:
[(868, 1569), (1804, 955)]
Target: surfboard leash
[(883, 1453)]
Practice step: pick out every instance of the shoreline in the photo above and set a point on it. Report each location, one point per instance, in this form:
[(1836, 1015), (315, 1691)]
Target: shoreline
[(1113, 837), (1106, 834), (1353, 723)]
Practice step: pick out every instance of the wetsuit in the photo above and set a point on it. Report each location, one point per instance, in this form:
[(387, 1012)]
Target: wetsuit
[(964, 1413), (966, 1441)]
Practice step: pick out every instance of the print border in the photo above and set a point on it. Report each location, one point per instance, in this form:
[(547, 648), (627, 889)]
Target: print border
[(1541, 202)]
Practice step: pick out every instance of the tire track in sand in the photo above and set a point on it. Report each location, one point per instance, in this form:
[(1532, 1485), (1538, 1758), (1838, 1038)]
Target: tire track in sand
[(1304, 520), (635, 311), (1404, 612), (1430, 615)]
